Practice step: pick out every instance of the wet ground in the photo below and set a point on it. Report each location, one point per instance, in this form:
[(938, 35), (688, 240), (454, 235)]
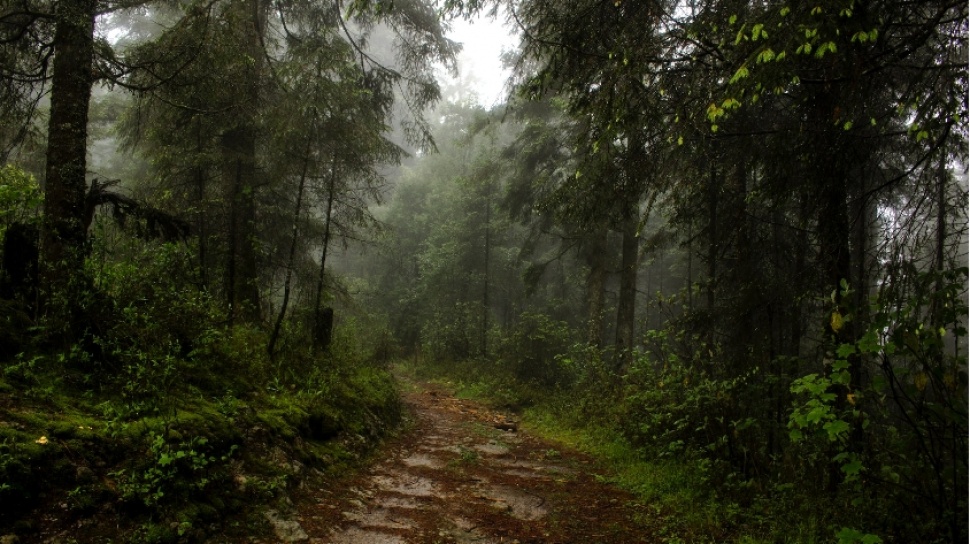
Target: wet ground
[(465, 474)]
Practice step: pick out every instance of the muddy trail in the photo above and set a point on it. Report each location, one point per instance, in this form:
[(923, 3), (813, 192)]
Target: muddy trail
[(464, 474)]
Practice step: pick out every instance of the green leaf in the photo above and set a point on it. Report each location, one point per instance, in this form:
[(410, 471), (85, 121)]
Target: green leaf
[(766, 55), (836, 429), (852, 469), (845, 350), (827, 47), (740, 74), (757, 31)]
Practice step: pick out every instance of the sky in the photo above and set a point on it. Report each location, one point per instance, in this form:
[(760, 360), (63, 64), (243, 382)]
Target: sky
[(484, 40)]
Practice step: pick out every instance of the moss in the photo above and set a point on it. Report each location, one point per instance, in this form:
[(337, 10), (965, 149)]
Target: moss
[(284, 418), (99, 453)]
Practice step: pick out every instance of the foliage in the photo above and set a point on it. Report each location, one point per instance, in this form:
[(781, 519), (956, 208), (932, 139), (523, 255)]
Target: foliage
[(161, 410), (529, 351), (20, 197), (173, 472)]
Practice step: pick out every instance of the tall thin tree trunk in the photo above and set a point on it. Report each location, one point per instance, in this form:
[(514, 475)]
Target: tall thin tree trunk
[(596, 259), (713, 193), (488, 252), (745, 265), (323, 320), (63, 237), (626, 304), (939, 257), (201, 214), (690, 266), (294, 238)]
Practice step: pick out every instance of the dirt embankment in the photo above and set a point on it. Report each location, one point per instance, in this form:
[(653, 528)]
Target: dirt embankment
[(464, 474)]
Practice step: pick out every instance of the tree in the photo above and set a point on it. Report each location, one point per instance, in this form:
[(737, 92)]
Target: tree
[(308, 130)]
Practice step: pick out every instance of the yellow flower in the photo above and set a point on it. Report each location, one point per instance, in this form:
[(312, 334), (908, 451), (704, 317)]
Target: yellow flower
[(42, 440)]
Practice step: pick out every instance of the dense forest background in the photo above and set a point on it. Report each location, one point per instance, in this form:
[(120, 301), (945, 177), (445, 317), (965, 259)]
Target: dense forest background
[(728, 239)]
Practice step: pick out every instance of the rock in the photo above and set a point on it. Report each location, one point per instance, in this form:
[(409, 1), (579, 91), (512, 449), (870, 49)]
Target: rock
[(286, 531), (85, 475)]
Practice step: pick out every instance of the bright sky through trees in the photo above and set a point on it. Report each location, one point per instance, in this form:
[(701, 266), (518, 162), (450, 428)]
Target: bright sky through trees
[(484, 40)]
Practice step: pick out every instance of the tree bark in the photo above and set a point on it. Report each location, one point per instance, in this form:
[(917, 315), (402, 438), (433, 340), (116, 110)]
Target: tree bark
[(323, 317), (485, 293), (834, 258), (626, 304), (713, 193), (239, 150), (64, 237), (291, 258), (201, 213), (596, 259)]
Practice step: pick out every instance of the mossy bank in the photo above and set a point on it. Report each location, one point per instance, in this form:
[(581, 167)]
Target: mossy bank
[(90, 456)]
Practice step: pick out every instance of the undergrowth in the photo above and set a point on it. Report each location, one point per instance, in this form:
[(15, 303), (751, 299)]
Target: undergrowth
[(675, 493), (163, 424)]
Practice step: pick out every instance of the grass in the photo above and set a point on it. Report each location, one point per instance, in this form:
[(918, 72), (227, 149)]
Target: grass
[(673, 490), (674, 495)]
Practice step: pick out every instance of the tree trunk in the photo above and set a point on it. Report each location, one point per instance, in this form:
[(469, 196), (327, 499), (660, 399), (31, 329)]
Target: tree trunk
[(297, 209), (323, 317), (713, 193), (488, 252), (239, 150), (834, 257), (626, 304), (63, 235), (201, 213), (596, 259)]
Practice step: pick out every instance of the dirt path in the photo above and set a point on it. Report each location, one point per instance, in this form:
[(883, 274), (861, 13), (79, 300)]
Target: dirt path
[(464, 474)]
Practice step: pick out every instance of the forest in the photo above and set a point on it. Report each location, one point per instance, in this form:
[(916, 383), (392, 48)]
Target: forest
[(719, 245)]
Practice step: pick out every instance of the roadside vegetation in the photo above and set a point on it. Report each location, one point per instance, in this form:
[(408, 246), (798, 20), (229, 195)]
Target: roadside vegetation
[(168, 427)]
